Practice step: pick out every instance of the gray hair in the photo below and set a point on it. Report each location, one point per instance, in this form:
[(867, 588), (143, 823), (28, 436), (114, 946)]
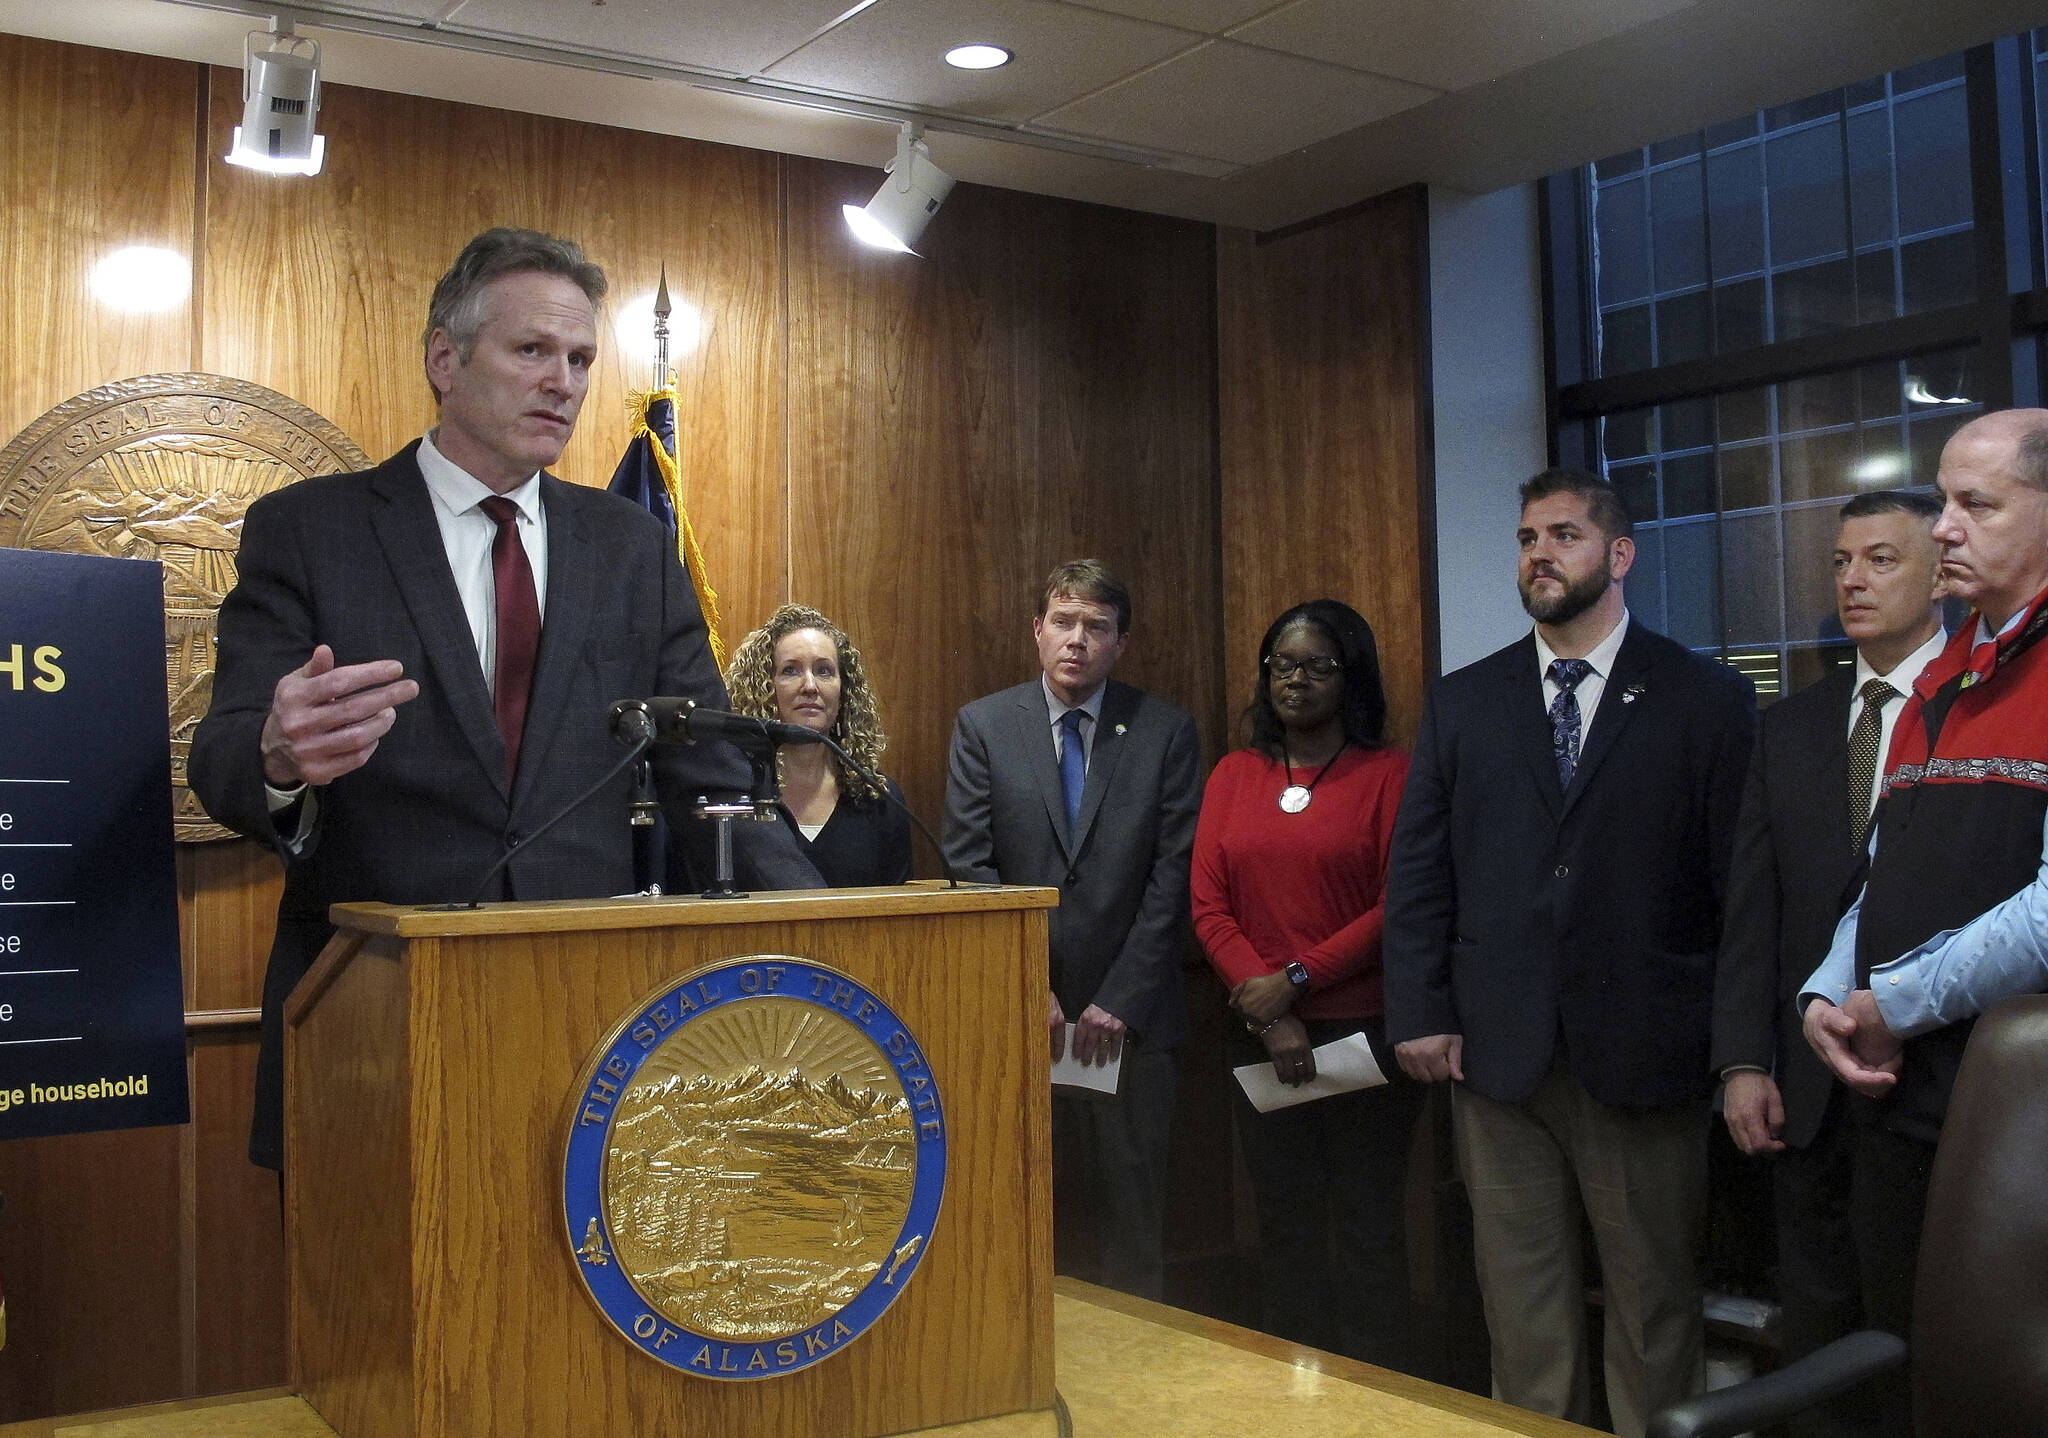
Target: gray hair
[(457, 308)]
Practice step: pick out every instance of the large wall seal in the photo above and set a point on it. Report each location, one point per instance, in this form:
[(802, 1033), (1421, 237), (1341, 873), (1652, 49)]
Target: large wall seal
[(163, 467), (753, 1168)]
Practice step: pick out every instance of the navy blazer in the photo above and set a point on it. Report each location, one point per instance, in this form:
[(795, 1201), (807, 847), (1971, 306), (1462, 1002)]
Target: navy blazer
[(1521, 915), (1119, 934), (1796, 869), (356, 561)]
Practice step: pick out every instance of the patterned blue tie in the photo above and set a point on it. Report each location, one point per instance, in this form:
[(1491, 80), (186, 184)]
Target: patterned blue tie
[(1564, 715), (1073, 764)]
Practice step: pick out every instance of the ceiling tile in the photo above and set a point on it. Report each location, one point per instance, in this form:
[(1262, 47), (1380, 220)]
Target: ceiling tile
[(1234, 102), (895, 51), (1450, 44), (1211, 17), (731, 36)]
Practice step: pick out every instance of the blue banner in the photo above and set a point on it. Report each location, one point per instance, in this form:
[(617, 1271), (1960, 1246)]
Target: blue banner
[(92, 1015)]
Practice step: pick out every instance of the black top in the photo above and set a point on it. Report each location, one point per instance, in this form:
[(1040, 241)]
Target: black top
[(860, 845)]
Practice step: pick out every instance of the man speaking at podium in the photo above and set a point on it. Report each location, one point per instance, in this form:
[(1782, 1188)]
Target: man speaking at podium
[(416, 661)]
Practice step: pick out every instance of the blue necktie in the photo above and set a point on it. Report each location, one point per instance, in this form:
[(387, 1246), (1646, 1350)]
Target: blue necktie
[(1073, 765), (1564, 715)]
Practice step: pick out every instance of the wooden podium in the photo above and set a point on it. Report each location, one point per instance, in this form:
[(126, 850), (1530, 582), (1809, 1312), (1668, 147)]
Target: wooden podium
[(433, 1060)]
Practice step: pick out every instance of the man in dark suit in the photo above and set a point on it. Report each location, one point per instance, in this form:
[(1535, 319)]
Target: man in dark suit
[(1799, 849), (1553, 912), (1074, 781), (416, 661)]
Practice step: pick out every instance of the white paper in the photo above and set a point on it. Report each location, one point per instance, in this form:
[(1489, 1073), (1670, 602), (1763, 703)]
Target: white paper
[(1102, 1078), (1341, 1067)]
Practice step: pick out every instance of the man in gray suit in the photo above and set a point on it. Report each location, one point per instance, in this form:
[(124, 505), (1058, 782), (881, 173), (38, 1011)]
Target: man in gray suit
[(1074, 781), (416, 661)]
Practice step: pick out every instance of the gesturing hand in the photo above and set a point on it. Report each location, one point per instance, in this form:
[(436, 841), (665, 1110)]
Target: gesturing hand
[(325, 722)]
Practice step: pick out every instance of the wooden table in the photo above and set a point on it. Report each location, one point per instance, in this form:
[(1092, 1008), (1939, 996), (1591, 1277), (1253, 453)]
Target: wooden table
[(1126, 1369)]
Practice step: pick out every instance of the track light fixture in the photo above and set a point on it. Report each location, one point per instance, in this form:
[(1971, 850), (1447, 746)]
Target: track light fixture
[(280, 104), (908, 199)]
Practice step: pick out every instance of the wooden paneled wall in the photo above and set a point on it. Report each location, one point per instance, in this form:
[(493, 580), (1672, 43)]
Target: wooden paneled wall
[(907, 444), (1323, 337), (1040, 393)]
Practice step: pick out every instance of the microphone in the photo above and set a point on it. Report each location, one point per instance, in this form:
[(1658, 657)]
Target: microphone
[(684, 721)]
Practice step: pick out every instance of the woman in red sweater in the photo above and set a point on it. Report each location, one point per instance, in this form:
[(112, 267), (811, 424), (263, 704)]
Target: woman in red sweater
[(1289, 876)]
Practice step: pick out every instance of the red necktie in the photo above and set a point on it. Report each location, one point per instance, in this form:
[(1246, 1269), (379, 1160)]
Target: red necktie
[(518, 626)]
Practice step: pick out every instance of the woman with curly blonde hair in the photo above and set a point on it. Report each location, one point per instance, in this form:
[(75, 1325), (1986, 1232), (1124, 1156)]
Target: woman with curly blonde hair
[(801, 668)]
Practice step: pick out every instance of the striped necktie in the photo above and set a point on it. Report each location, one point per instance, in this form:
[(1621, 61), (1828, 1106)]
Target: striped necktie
[(1863, 755)]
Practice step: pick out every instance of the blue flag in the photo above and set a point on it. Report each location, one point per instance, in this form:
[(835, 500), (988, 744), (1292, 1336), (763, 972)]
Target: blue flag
[(647, 475)]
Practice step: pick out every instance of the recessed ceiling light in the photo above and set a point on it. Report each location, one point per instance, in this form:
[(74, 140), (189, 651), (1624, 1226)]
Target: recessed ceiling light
[(978, 57)]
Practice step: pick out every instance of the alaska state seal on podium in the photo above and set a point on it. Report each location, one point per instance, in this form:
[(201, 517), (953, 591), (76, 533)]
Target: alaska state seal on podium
[(755, 1160)]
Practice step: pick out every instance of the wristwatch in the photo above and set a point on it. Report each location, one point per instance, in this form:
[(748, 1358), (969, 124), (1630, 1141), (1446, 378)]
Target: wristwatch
[(1297, 974)]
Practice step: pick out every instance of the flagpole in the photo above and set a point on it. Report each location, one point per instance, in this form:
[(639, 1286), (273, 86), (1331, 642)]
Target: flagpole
[(662, 310), (649, 842)]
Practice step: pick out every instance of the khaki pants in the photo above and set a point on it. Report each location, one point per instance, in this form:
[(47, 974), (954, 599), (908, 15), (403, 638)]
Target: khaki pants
[(1640, 1177)]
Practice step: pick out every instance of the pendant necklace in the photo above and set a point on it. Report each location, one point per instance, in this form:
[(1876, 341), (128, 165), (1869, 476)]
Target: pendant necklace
[(1295, 797)]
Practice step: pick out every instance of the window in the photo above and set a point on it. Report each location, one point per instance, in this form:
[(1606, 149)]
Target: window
[(1760, 319), (1846, 208)]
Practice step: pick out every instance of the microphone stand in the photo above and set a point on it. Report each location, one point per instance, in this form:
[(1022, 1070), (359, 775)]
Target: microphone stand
[(762, 804), (643, 816), (644, 722)]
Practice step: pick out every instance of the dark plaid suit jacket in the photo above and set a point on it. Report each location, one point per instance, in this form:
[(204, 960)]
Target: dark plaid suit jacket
[(356, 561)]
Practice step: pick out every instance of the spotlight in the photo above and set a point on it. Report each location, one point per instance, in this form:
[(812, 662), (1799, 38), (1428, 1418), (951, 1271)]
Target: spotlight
[(908, 199), (280, 104)]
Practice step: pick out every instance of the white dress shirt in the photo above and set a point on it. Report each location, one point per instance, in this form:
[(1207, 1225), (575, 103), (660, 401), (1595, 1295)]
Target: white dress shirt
[(1594, 684), (467, 533)]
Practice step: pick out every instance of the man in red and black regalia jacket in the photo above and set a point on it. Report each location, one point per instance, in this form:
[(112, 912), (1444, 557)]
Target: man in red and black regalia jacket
[(1954, 911)]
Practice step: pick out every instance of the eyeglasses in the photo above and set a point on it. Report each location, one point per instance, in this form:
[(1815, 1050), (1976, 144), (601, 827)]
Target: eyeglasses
[(1282, 666)]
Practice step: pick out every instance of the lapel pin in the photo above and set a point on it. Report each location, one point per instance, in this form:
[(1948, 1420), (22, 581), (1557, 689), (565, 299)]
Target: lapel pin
[(1120, 729), (1632, 693)]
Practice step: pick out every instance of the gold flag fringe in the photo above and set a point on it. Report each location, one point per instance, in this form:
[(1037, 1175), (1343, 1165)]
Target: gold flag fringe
[(687, 548)]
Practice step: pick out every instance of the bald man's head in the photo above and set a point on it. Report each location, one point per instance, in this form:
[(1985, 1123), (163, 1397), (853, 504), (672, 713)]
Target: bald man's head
[(1993, 529), (2017, 439)]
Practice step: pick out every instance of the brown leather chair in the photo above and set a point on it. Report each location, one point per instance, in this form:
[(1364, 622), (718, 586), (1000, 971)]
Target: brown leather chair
[(1980, 1306)]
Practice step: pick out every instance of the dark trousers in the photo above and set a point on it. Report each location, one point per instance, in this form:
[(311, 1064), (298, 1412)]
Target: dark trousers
[(1327, 1177), (1887, 1203), (1109, 1176), (1819, 1281)]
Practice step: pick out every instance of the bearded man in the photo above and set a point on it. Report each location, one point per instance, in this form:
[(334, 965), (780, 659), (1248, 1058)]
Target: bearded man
[(1553, 914)]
